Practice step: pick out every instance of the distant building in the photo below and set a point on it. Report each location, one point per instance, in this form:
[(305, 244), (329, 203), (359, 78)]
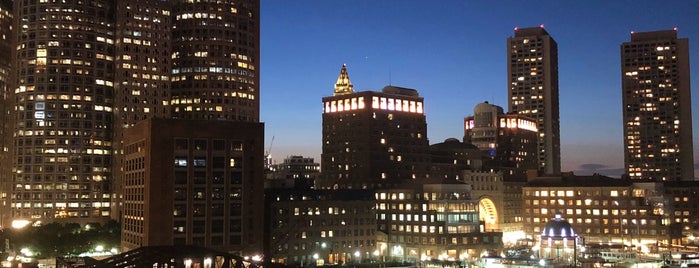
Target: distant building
[(432, 222), (532, 74), (509, 140), (657, 110), (372, 139), (194, 182), (308, 227), (296, 168), (451, 157)]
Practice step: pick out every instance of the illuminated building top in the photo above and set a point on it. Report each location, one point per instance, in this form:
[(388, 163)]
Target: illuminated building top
[(386, 103), (372, 139), (509, 139), (343, 84), (391, 98), (510, 121)]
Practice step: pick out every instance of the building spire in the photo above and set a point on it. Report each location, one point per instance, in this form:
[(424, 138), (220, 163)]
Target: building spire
[(343, 84)]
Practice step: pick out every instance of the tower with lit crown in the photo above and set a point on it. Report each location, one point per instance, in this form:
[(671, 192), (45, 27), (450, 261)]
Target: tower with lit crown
[(372, 139), (343, 84), (657, 109)]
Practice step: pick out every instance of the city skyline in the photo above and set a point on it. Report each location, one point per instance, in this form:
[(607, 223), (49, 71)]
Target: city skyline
[(455, 55)]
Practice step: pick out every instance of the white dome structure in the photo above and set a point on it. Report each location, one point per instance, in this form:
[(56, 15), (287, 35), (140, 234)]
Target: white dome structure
[(558, 241)]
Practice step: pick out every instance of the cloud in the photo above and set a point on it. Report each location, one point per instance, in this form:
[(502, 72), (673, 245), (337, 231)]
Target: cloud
[(591, 166), (594, 168)]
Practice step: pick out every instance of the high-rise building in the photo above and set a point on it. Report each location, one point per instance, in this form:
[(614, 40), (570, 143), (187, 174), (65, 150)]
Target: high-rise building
[(84, 73), (657, 107), (215, 140), (510, 140), (62, 107), (5, 125), (372, 139), (532, 75), (194, 182), (215, 60), (142, 88)]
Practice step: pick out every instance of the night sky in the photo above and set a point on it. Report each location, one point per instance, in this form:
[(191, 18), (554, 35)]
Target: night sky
[(454, 53)]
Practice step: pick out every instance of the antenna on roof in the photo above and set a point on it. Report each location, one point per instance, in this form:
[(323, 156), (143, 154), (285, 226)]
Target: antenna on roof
[(390, 82)]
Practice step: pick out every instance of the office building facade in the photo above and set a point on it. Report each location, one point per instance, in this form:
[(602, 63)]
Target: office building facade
[(372, 139), (532, 73), (657, 110), (321, 227), (424, 222), (194, 182)]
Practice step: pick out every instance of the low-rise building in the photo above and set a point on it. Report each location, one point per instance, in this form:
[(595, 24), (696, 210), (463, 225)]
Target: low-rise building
[(308, 227), (500, 202), (432, 222), (601, 209)]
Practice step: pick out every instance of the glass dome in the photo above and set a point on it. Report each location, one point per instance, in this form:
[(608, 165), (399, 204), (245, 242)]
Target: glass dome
[(558, 228)]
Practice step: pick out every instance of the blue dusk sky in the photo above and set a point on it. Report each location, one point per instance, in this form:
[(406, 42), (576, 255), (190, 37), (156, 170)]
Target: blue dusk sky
[(454, 53)]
